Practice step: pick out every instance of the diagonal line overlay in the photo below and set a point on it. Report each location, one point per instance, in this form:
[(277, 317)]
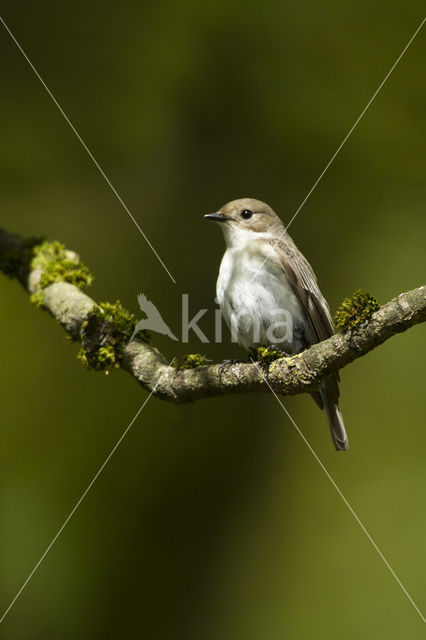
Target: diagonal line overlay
[(84, 145), (361, 115), (83, 495), (333, 157), (340, 493)]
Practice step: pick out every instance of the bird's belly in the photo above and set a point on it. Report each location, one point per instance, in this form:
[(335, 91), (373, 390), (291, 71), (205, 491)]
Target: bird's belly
[(259, 305)]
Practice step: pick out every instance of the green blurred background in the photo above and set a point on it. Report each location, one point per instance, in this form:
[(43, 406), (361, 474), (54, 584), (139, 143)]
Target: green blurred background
[(211, 521)]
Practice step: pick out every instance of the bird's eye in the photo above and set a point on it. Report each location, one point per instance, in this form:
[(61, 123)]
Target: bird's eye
[(246, 214)]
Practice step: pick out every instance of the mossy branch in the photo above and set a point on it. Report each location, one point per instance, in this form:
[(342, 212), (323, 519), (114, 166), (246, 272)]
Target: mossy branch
[(104, 330)]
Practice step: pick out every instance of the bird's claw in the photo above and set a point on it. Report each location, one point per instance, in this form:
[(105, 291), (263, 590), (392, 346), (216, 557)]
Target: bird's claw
[(277, 347), (266, 355), (226, 362)]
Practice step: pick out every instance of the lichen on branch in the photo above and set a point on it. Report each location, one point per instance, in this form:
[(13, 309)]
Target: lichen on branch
[(190, 361)]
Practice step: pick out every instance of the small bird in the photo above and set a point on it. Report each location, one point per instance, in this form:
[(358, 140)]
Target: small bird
[(268, 293)]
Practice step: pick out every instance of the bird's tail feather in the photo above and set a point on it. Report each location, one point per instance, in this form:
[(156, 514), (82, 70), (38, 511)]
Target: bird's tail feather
[(337, 427)]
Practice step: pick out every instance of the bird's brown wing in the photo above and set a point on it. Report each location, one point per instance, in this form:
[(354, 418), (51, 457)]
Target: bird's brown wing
[(304, 284)]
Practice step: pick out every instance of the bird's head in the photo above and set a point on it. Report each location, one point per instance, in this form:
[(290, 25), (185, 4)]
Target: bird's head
[(245, 219)]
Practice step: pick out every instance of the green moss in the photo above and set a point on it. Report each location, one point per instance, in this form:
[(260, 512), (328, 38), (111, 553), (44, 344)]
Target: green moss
[(355, 310), (267, 355), (58, 265), (190, 361), (106, 331)]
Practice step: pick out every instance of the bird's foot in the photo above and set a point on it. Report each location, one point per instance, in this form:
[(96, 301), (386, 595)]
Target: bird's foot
[(229, 361), (279, 349)]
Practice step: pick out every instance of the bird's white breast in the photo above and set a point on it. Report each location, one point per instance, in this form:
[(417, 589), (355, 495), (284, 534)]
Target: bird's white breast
[(255, 294)]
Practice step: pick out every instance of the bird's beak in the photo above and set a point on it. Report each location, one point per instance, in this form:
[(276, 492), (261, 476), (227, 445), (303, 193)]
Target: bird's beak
[(217, 217)]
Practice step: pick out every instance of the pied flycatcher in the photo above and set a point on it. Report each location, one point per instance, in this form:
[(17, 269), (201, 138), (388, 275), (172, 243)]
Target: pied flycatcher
[(268, 293)]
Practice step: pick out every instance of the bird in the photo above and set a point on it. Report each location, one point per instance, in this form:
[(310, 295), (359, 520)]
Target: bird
[(268, 294), (153, 321)]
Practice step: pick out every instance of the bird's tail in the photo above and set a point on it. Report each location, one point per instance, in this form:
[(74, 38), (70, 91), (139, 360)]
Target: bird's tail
[(335, 420)]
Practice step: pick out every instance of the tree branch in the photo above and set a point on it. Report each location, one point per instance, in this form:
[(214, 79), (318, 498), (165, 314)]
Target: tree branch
[(289, 375)]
